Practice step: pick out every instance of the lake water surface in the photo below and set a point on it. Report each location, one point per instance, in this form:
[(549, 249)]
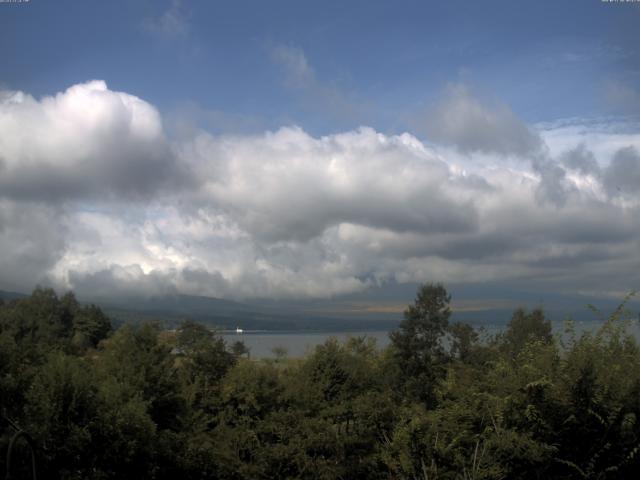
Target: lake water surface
[(262, 343)]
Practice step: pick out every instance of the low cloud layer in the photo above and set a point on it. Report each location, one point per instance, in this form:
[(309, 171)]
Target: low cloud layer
[(94, 196)]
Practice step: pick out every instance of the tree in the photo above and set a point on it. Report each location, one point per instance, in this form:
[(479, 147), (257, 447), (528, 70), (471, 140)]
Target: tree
[(60, 406), (239, 349), (90, 326), (417, 345), (525, 327), (463, 340), (206, 353), (135, 356)]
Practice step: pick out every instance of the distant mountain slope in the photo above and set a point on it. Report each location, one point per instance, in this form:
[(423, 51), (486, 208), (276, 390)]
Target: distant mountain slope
[(11, 295), (366, 311), (227, 314)]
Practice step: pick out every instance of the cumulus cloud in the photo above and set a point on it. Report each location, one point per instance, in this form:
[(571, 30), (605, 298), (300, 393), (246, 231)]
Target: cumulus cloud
[(121, 281), (478, 128), (85, 141), (288, 214), (582, 160), (553, 187), (288, 185), (460, 119), (622, 176), (32, 240)]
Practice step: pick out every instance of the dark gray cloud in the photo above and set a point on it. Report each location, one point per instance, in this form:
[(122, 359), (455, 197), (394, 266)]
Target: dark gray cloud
[(119, 281), (571, 257), (553, 186), (622, 176), (32, 241), (582, 160)]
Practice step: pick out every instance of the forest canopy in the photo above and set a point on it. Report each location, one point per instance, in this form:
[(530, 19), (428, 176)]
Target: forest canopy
[(441, 401)]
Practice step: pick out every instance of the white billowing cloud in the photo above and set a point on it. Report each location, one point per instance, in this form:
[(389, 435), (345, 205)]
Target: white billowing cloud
[(288, 185), (82, 142), (287, 214), (198, 253)]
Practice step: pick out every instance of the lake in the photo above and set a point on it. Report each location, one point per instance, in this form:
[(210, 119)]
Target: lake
[(297, 343)]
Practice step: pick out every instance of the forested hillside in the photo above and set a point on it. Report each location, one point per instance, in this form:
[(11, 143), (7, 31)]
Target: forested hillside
[(439, 403)]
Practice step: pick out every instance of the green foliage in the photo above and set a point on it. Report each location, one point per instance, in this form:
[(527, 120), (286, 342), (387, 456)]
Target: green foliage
[(525, 327), (90, 326), (463, 341), (417, 344), (205, 353), (146, 402), (60, 406), (43, 322)]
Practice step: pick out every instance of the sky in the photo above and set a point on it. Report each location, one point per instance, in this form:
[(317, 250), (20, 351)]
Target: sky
[(315, 150)]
